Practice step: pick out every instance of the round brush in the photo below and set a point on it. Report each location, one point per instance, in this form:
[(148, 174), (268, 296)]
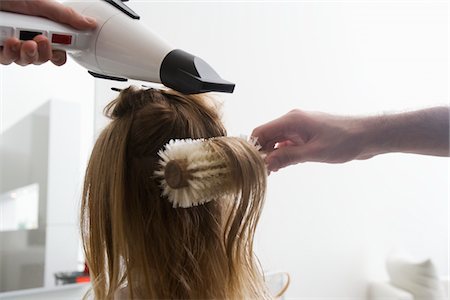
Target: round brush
[(192, 173)]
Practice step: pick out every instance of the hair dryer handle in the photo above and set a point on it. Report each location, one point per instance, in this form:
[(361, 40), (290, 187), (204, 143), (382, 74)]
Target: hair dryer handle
[(25, 27)]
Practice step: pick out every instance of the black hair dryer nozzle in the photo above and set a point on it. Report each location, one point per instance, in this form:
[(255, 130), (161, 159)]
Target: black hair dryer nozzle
[(190, 74)]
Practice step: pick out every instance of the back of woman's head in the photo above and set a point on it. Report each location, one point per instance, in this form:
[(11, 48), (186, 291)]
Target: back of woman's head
[(134, 239)]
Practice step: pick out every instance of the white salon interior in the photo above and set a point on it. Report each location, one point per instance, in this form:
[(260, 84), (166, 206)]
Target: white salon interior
[(331, 227)]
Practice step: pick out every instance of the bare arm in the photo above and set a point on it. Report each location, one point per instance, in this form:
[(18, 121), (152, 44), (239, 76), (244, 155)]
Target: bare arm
[(301, 136), (423, 132)]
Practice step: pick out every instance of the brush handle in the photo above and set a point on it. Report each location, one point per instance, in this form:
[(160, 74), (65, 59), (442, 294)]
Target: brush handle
[(176, 173)]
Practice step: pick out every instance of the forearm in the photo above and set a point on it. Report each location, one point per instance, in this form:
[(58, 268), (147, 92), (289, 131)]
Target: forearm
[(423, 132)]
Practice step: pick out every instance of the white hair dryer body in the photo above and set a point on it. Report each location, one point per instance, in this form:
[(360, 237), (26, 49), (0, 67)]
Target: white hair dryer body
[(120, 48)]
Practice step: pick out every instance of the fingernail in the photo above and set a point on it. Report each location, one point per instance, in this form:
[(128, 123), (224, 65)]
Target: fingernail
[(57, 58), (90, 20), (31, 53)]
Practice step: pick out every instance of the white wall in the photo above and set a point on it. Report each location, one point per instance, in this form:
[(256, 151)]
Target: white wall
[(62, 242), (44, 149), (67, 141), (24, 161), (330, 226), (23, 89)]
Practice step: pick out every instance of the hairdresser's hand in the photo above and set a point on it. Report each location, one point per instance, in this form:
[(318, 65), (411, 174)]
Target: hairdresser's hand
[(38, 50), (301, 136)]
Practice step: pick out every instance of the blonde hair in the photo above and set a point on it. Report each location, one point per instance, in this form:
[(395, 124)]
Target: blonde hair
[(135, 240)]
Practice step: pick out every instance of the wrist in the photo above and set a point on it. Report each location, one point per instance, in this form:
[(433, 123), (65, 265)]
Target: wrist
[(374, 136)]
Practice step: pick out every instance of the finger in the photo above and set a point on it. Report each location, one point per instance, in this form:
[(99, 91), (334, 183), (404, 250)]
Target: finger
[(44, 49), (285, 144), (62, 14), (28, 53), (10, 51), (286, 156), (273, 132), (59, 57)]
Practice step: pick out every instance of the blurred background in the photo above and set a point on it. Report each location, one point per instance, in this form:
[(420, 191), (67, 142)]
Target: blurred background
[(331, 227)]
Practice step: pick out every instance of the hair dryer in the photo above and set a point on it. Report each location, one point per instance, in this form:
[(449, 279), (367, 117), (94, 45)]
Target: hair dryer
[(120, 48)]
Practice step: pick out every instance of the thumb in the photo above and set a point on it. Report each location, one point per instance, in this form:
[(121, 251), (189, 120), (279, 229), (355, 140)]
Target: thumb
[(62, 14), (289, 155)]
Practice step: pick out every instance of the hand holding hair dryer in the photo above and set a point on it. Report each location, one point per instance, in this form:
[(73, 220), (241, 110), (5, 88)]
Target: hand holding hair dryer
[(120, 48)]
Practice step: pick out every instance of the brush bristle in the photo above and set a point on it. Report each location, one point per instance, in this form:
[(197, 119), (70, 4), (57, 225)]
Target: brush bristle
[(207, 172)]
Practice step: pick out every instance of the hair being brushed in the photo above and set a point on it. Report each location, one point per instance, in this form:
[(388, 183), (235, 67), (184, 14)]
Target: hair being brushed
[(133, 237)]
